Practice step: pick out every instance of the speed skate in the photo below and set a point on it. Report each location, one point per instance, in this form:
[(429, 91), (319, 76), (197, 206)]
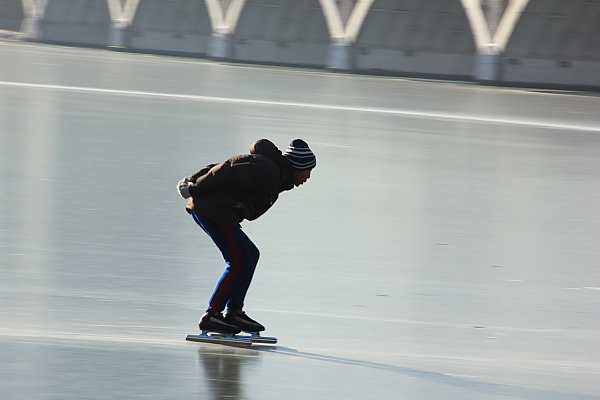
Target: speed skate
[(244, 339)]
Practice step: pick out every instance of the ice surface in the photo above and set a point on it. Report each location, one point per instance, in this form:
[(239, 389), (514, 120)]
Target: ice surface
[(445, 247)]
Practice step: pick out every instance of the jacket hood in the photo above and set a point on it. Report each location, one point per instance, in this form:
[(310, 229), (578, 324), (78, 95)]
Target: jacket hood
[(266, 148)]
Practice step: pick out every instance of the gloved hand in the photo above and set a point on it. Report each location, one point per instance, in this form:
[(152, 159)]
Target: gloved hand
[(182, 188)]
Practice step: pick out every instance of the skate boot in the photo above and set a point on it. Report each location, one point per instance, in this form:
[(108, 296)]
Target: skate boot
[(242, 321), (213, 321)]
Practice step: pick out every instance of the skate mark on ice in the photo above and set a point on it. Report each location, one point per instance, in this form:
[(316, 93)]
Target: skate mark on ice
[(517, 392)]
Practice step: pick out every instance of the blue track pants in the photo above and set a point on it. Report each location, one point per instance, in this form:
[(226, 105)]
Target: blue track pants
[(241, 256)]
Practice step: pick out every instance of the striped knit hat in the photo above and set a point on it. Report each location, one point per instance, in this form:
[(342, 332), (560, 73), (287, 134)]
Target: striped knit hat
[(300, 156)]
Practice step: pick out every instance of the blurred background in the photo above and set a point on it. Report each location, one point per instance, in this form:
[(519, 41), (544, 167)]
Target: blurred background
[(512, 42), (445, 247)]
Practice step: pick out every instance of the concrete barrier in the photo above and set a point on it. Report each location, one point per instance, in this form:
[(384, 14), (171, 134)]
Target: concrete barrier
[(174, 26), (11, 15), (521, 42), (76, 21), (555, 42), (282, 31), (418, 37)]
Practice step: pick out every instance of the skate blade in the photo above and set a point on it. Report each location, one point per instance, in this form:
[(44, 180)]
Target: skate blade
[(219, 338), (256, 338)]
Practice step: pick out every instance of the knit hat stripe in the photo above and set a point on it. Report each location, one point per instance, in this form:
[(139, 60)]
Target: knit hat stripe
[(300, 150), (300, 156), (309, 164)]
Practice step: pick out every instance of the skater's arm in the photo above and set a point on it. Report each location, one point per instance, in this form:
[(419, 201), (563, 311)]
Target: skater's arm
[(251, 176), (204, 181), (203, 171)]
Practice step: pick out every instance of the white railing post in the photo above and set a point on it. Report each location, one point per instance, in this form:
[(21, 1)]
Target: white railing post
[(220, 44), (487, 64), (339, 56)]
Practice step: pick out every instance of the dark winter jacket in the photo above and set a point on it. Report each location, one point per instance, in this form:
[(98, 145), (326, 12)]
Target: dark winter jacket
[(242, 187)]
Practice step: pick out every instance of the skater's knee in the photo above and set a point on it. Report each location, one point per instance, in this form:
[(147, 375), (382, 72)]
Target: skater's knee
[(256, 256), (250, 264), (253, 254)]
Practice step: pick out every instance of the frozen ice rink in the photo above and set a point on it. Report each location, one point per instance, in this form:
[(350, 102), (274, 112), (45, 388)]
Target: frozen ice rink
[(446, 247)]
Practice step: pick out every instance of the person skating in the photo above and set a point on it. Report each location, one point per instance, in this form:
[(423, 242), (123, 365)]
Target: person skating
[(223, 195)]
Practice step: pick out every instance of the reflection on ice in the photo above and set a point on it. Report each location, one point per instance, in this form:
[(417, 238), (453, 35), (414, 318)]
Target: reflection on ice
[(223, 369)]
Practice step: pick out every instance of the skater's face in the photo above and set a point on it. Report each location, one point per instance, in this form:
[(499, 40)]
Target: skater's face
[(301, 176)]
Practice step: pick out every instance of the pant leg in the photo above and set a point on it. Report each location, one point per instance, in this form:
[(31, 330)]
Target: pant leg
[(236, 300), (241, 257)]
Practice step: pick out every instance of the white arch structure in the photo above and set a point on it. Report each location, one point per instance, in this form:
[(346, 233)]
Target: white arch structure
[(225, 15), (491, 45)]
